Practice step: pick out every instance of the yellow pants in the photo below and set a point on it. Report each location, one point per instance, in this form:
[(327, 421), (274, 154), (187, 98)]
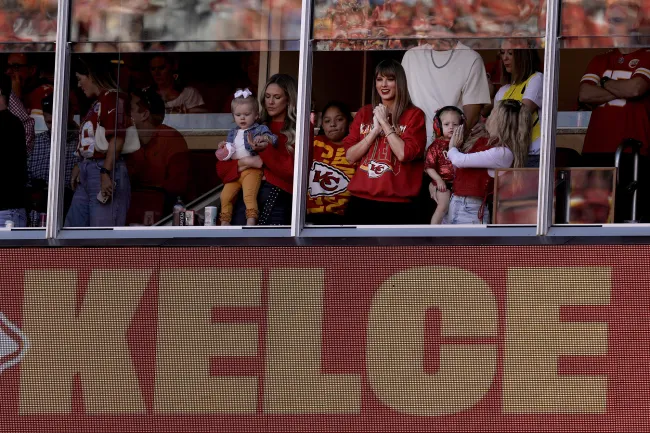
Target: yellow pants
[(249, 181)]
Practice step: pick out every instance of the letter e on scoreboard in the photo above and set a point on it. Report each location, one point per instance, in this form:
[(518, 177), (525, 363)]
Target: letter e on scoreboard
[(535, 338), (188, 340)]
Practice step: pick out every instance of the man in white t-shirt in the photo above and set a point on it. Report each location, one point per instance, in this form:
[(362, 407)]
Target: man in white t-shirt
[(442, 74), (447, 73)]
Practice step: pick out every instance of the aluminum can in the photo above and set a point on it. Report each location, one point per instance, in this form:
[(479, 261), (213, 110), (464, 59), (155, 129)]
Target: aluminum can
[(210, 216)]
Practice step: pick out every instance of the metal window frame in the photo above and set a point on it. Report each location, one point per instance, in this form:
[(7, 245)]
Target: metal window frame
[(53, 232), (59, 122)]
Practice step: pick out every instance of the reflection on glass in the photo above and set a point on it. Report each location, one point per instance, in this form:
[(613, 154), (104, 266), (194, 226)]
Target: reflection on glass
[(28, 21), (393, 24), (617, 23), (585, 195), (515, 196), (151, 124), (235, 25)]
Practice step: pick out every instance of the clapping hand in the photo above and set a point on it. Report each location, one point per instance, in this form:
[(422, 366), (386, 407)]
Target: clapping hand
[(381, 114), (457, 138), (375, 123)]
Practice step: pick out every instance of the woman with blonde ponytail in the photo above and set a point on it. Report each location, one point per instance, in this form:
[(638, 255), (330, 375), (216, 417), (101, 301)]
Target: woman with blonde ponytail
[(278, 100), (502, 143)]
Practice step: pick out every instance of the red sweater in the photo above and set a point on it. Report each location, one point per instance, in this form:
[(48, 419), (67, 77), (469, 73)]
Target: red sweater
[(278, 163), (474, 182), (380, 175)]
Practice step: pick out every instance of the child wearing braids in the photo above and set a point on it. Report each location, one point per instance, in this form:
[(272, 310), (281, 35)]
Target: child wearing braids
[(241, 142)]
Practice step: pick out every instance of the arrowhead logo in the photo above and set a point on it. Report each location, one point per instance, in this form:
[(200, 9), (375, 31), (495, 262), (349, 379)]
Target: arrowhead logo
[(13, 344), (325, 180), (377, 169)]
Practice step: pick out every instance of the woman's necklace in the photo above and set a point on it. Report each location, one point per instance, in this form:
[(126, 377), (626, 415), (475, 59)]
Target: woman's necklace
[(446, 63)]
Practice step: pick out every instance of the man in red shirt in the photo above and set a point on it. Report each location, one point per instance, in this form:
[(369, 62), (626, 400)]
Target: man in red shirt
[(616, 85), (160, 169)]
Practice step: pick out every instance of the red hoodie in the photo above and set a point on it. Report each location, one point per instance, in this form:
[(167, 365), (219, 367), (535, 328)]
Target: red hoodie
[(380, 176), (278, 163)]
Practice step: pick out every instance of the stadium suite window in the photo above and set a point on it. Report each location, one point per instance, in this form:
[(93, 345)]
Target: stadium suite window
[(585, 187), (604, 80), (179, 114), (389, 171), (150, 148)]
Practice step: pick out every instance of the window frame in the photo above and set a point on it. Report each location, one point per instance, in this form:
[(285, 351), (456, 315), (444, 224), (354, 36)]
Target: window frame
[(480, 234)]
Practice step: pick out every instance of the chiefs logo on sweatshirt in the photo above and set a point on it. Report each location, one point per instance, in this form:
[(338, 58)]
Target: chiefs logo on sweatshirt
[(377, 169), (325, 180), (380, 159)]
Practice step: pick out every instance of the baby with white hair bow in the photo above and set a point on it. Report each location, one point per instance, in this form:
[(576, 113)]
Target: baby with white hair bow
[(241, 142)]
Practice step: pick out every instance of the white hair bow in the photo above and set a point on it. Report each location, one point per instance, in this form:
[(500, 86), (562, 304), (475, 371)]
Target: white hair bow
[(243, 93)]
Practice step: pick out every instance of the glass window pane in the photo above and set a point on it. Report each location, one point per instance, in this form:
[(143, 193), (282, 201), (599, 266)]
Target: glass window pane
[(486, 82), (603, 108), (585, 195), (516, 196), (380, 25), (248, 25), (604, 24), (179, 105), (27, 26), (26, 108)]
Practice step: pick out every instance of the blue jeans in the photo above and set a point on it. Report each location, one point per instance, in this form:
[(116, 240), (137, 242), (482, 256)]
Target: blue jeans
[(465, 210), (18, 216), (86, 210)]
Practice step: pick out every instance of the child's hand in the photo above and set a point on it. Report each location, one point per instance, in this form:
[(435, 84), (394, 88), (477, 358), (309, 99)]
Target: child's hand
[(224, 151), (441, 186)]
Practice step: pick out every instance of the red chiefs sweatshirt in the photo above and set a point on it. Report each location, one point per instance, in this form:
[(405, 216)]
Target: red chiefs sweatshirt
[(380, 175)]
